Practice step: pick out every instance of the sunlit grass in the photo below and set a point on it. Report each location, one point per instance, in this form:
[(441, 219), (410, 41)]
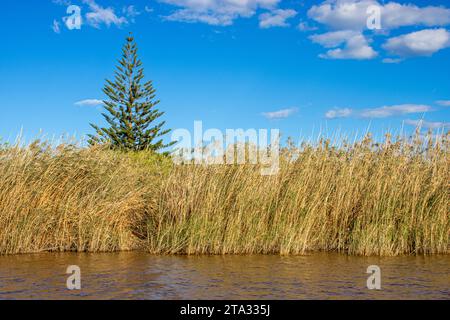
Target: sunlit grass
[(69, 198), (362, 198), (367, 198)]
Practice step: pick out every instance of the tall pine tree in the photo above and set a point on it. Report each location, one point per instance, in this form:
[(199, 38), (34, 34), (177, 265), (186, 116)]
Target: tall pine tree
[(130, 110)]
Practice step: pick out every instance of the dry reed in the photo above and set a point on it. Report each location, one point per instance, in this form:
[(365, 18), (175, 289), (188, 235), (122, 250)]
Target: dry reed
[(366, 198), (68, 199)]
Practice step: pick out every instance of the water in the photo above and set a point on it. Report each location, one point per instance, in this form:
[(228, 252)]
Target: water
[(136, 275)]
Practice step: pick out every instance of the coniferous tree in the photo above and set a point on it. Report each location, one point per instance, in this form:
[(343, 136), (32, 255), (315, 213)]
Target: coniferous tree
[(130, 110)]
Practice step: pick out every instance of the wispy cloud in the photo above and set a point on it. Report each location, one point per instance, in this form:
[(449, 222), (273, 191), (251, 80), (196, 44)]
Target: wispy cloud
[(62, 2), (211, 18), (380, 112), (280, 114), (99, 15), (444, 103), (338, 113), (390, 111), (56, 26), (276, 18), (131, 12), (305, 27), (392, 60), (427, 124), (216, 12), (89, 103)]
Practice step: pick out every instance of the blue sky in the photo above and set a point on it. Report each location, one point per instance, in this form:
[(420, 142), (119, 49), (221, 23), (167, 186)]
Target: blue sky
[(294, 65)]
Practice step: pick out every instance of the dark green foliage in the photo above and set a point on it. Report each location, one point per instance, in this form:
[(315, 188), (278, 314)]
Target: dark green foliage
[(130, 109)]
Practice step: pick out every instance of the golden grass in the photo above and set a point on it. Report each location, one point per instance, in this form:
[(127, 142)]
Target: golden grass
[(68, 199), (364, 198)]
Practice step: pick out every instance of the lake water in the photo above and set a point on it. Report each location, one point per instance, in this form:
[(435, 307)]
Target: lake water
[(136, 275)]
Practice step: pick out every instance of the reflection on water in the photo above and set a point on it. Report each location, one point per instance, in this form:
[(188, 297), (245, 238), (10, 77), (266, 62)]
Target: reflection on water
[(136, 275)]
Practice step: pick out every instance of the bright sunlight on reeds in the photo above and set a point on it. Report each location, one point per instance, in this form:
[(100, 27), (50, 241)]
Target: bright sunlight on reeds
[(363, 198)]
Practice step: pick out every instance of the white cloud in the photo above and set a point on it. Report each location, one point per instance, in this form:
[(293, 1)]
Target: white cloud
[(395, 15), (334, 38), (131, 12), (89, 103), (444, 103), (56, 26), (99, 15), (390, 111), (216, 12), (352, 14), (276, 18), (355, 45), (62, 2), (189, 16), (392, 60), (280, 114), (380, 112), (338, 113), (427, 124), (347, 16), (419, 43), (341, 14), (305, 27)]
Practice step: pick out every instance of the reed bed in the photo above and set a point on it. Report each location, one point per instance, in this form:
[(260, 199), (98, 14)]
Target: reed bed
[(363, 198), (68, 199)]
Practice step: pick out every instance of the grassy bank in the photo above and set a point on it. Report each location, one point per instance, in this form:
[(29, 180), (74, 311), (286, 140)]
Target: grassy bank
[(365, 198)]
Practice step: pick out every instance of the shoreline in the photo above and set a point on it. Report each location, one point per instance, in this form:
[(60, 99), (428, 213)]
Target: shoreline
[(305, 254)]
